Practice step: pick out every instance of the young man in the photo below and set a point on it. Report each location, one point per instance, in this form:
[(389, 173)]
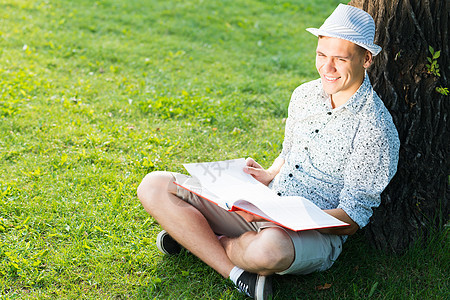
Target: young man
[(340, 151)]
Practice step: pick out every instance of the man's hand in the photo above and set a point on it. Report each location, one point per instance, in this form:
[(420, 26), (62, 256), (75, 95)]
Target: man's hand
[(259, 173), (340, 214), (249, 217)]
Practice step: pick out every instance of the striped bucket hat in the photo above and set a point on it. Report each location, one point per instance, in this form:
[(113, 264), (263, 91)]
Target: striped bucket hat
[(351, 24)]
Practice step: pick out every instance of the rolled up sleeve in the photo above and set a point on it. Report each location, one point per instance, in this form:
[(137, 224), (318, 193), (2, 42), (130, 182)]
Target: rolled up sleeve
[(372, 165)]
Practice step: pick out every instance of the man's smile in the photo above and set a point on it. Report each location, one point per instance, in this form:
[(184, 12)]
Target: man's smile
[(331, 79)]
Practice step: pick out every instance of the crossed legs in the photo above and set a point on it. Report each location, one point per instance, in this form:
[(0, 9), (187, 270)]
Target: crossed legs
[(264, 252)]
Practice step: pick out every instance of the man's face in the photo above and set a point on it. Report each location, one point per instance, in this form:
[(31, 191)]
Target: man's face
[(341, 66)]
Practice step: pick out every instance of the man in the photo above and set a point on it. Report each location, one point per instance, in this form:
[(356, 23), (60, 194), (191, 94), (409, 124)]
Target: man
[(340, 151)]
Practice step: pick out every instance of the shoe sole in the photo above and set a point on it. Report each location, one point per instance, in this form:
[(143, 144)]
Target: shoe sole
[(159, 243), (263, 288)]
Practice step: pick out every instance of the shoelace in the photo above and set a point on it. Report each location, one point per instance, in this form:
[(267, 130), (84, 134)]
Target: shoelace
[(243, 287)]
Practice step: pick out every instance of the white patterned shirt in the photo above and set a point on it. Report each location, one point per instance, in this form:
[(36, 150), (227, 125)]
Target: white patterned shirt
[(338, 158)]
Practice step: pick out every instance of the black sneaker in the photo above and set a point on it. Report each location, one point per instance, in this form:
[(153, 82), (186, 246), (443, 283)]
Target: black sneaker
[(166, 244), (255, 286)]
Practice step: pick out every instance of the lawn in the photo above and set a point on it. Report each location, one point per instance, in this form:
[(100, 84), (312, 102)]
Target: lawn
[(96, 94)]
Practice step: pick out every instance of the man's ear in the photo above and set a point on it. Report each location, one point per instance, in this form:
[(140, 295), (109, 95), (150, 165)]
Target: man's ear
[(368, 59)]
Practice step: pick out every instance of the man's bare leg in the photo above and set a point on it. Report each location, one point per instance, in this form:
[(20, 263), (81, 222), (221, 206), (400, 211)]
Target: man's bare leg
[(182, 221), (264, 253), (267, 252)]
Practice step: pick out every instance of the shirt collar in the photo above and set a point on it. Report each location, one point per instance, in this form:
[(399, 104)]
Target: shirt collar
[(357, 100)]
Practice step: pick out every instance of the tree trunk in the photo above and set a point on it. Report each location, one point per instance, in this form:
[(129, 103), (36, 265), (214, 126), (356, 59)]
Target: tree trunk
[(416, 202)]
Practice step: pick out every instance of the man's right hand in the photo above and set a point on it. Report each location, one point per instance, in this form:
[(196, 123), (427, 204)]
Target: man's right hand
[(259, 173), (249, 217)]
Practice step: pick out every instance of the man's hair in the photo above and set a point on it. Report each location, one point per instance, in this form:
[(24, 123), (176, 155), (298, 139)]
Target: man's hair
[(362, 51)]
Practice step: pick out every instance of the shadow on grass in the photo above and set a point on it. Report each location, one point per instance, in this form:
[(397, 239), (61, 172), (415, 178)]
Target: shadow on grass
[(361, 272)]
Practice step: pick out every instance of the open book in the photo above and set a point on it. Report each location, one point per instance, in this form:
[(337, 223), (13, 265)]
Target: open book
[(225, 184)]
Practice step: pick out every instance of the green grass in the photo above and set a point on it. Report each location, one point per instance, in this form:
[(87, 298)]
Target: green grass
[(95, 94)]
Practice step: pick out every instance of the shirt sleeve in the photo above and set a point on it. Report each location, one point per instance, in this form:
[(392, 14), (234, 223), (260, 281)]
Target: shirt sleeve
[(372, 165)]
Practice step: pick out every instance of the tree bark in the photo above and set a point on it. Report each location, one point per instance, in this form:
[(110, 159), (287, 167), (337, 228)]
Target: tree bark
[(416, 203)]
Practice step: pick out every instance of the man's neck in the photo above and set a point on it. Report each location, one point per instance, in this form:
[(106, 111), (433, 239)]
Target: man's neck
[(339, 99), (342, 97)]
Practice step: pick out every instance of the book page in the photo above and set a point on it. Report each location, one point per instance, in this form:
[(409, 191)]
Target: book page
[(204, 193), (293, 212), (232, 189), (228, 180)]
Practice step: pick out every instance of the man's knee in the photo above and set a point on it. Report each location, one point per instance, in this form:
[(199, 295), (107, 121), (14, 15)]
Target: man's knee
[(152, 186), (273, 249)]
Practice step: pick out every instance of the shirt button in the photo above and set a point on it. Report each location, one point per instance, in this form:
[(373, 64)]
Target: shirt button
[(297, 166), (306, 148), (316, 131), (290, 175), (329, 113), (279, 194)]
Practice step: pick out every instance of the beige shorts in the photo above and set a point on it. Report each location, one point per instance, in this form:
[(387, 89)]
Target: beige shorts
[(313, 251)]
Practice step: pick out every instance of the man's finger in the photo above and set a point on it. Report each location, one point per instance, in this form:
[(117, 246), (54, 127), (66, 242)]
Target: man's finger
[(253, 170), (250, 162)]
